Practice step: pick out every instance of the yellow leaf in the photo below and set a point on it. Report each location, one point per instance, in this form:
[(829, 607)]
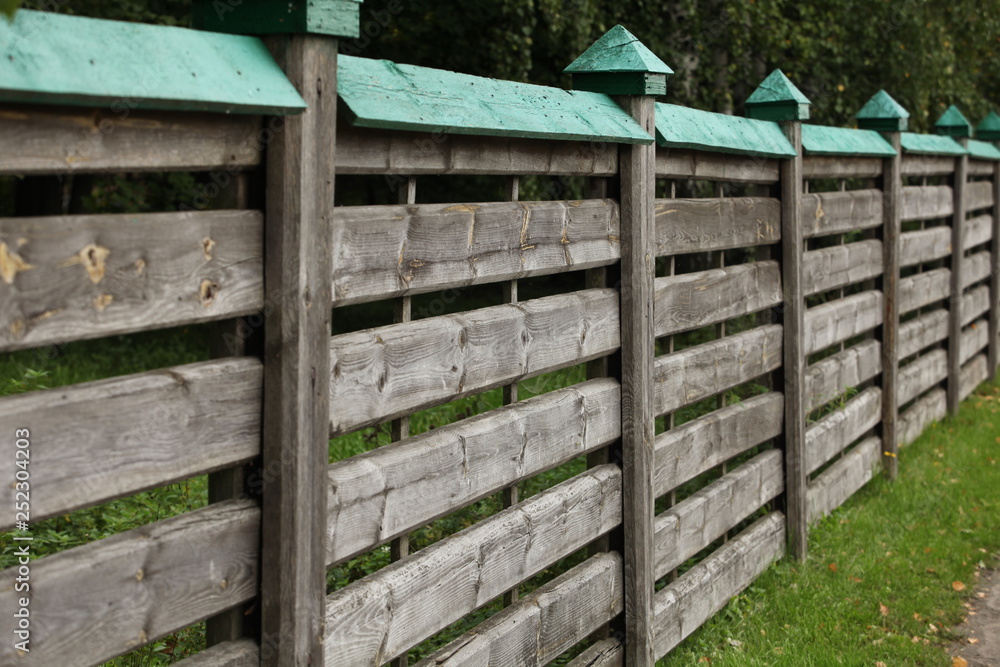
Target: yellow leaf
[(958, 661), (972, 640), (958, 585)]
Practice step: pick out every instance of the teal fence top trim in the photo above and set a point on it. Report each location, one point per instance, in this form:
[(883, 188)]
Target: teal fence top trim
[(58, 59), (681, 127), (983, 150), (822, 140), (382, 94), (930, 144)]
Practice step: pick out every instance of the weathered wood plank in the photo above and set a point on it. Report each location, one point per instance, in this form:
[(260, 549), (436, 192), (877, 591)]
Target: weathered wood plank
[(705, 370), (838, 212), (981, 167), (377, 496), (817, 166), (383, 373), (365, 151), (976, 268), (390, 251), (377, 618), (922, 332), (830, 323), (702, 225), (993, 360), (74, 277), (924, 202), (920, 375), (683, 606), (841, 265), (974, 338), (700, 519), (932, 407), (972, 375), (700, 165), (927, 165), (605, 653), (827, 379), (978, 195), (924, 245), (975, 302), (238, 653), (684, 452), (835, 432), (844, 478), (106, 439), (543, 624), (693, 300), (60, 140), (978, 230), (93, 602), (889, 334), (923, 289)]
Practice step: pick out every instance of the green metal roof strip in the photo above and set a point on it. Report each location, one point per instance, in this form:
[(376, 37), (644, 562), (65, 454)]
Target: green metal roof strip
[(681, 127), (618, 50), (58, 59), (930, 144), (382, 94), (822, 140), (983, 150)]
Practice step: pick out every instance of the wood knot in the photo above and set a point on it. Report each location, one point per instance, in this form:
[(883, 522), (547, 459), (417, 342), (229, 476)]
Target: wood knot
[(102, 302), (207, 244), (11, 264), (207, 292)]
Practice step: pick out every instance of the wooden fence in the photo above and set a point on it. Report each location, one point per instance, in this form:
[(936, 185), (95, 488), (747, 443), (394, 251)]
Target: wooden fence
[(765, 310)]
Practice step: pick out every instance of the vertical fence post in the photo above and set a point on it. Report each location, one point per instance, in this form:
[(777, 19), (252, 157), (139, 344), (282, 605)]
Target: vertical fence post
[(989, 130), (778, 99), (618, 64), (884, 114)]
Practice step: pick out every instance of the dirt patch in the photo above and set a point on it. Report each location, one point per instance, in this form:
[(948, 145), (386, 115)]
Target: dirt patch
[(980, 643)]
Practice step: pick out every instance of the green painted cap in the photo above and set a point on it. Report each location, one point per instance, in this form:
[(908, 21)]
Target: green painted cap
[(619, 64), (953, 123), (777, 98), (883, 113), (989, 128), (337, 18)]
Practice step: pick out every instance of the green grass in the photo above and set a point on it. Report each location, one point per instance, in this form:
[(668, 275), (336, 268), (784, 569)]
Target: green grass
[(878, 583)]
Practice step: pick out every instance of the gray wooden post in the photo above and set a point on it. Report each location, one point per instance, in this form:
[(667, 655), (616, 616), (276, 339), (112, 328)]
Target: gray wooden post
[(989, 130)]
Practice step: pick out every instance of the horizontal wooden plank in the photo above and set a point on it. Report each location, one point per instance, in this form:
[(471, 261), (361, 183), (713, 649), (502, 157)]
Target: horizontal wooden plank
[(973, 374), (683, 606), (367, 151), (836, 431), (924, 202), (377, 618), (61, 140), (932, 407), (701, 225), (817, 166), (684, 452), (702, 165), (980, 167), (382, 494), (924, 245), (922, 332), (605, 653), (693, 300), (975, 268), (974, 338), (383, 373), (102, 440), (83, 276), (843, 479), (923, 289), (540, 626), (978, 195), (93, 602), (389, 251), (978, 230), (710, 368), (238, 653), (703, 517), (841, 265), (975, 302), (921, 374), (827, 379), (927, 165), (830, 323), (838, 212)]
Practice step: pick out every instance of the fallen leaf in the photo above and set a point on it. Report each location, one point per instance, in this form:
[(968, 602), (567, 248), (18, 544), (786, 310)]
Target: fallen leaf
[(930, 570), (958, 661), (736, 643), (882, 608), (980, 595), (704, 658), (856, 580), (833, 567), (880, 664), (958, 585), (972, 640)]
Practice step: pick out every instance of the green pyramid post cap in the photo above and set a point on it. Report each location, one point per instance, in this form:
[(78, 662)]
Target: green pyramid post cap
[(619, 64), (882, 113), (989, 128), (777, 98), (953, 123)]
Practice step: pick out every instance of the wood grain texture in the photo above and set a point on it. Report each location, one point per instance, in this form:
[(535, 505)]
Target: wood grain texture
[(832, 322), (844, 478), (924, 245), (923, 289), (975, 337), (93, 602), (686, 451), (927, 165), (694, 300), (543, 624), (826, 213), (390, 251), (836, 431), (694, 523), (993, 355), (922, 332), (702, 225), (889, 334), (383, 373), (975, 302), (710, 368), (102, 440), (605, 653), (972, 375), (816, 166), (841, 265), (976, 268), (921, 374), (827, 379), (377, 496), (924, 202), (931, 407), (978, 194), (700, 165), (387, 152), (83, 276), (375, 619), (683, 606), (62, 140), (237, 653), (978, 230), (981, 167)]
